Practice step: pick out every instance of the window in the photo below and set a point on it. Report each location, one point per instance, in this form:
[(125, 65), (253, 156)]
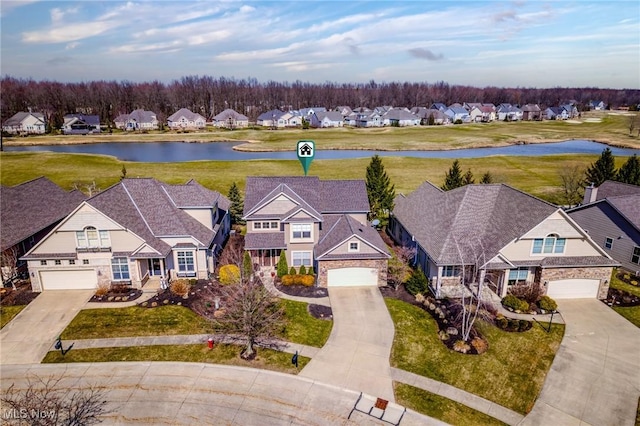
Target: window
[(548, 245), (120, 269), (354, 246), (72, 262), (608, 243), (85, 261), (300, 258), (266, 225), (43, 263), (185, 262), (257, 225), (635, 258), (90, 237), (450, 271), (520, 274), (301, 230), (57, 262), (275, 225)]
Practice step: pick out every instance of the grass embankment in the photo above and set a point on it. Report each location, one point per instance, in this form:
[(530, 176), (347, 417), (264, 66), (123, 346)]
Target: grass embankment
[(631, 313), (221, 354), (511, 373), (535, 175), (7, 313), (602, 126), (440, 408)]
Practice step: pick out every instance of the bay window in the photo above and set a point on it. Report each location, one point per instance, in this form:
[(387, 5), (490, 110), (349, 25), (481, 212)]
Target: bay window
[(186, 263)]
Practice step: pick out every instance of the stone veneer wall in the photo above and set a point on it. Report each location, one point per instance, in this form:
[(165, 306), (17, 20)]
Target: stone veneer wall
[(602, 273), (325, 265)]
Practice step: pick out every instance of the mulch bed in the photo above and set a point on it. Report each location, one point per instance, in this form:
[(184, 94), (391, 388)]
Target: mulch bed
[(117, 296), (621, 298), (303, 291), (190, 300), (22, 295), (321, 312)]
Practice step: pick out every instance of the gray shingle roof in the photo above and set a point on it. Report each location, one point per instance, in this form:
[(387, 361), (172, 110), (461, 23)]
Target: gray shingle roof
[(229, 113), (338, 228), (141, 116), (491, 214), (192, 194), (33, 206), (629, 207), (186, 113), (264, 240), (18, 117), (611, 188), (576, 261)]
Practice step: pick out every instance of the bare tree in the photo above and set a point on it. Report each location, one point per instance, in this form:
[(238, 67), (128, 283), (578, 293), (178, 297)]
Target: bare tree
[(572, 179), (46, 402), (251, 315), (88, 188), (398, 269), (9, 265)]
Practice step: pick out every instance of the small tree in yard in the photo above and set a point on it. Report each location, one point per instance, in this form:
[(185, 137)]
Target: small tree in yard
[(603, 169), (251, 316), (417, 283), (283, 267), (379, 189), (453, 179), (247, 265), (468, 178), (571, 178), (237, 204), (398, 270), (9, 265), (630, 171), (487, 178)]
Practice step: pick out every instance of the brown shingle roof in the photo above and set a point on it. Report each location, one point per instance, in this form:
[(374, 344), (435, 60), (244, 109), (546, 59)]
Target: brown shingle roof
[(33, 206)]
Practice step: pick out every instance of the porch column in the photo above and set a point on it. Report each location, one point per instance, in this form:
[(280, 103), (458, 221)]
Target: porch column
[(503, 282), (161, 268)]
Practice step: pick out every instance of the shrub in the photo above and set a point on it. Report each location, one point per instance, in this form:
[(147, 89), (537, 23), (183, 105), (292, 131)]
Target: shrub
[(511, 301), (283, 268), (417, 283), (229, 274), (303, 270), (480, 345), (193, 281), (288, 280), (179, 287), (310, 271), (461, 346), (292, 271), (247, 265), (307, 280), (547, 303), (297, 279), (502, 323), (103, 288), (524, 325), (529, 292)]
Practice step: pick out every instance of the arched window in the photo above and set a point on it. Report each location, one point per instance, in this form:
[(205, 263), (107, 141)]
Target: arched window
[(90, 237), (551, 244)]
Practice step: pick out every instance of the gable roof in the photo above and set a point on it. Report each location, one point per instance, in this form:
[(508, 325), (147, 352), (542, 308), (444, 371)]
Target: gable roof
[(628, 206), (330, 115), (230, 114), (141, 116), (186, 113), (270, 115), (337, 229), (495, 214), (93, 120), (610, 188), (33, 206), (19, 117)]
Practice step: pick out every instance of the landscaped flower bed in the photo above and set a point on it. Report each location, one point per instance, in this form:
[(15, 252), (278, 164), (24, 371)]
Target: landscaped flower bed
[(621, 298)]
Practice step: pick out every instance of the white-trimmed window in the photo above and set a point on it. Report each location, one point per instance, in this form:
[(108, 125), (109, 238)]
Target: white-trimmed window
[(85, 261), (257, 225), (450, 271), (72, 262), (635, 257), (551, 244), (120, 269), (354, 246), (299, 258), (186, 262), (266, 225), (57, 262), (90, 237), (518, 275), (608, 243), (300, 230), (43, 263)]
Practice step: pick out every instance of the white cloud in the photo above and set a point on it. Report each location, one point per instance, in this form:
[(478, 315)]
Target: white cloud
[(69, 32)]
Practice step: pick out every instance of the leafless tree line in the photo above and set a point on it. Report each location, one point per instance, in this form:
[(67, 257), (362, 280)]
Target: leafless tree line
[(208, 96)]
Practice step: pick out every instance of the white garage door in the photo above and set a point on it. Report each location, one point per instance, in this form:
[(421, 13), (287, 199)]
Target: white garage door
[(344, 277), (69, 280), (573, 289)]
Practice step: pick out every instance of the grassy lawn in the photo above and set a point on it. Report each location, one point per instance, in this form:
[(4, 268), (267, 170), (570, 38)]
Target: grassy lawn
[(535, 175), (134, 321), (632, 314), (511, 373), (221, 354), (7, 313), (302, 327), (440, 408)]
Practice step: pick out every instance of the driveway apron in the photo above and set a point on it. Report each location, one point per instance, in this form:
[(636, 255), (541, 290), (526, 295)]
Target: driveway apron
[(356, 356), (595, 376), (32, 333)]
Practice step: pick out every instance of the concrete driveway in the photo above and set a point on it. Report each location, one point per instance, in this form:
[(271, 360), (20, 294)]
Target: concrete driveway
[(595, 376), (32, 333), (356, 356)]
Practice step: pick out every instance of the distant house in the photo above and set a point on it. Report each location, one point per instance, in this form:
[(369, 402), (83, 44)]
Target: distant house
[(365, 119), (439, 106), (400, 117), (80, 124), (29, 211), (231, 119), (308, 112), (270, 118), (344, 110), (457, 114), (482, 114), (556, 113), (290, 119), (139, 119), (597, 105), (531, 112), (326, 119), (25, 123), (572, 110), (611, 215), (184, 119), (434, 115), (508, 112)]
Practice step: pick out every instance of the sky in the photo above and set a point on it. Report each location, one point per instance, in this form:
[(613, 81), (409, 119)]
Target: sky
[(478, 43)]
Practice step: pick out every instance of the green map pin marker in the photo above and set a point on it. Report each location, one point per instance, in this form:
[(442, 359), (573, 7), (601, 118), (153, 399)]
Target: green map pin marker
[(306, 150)]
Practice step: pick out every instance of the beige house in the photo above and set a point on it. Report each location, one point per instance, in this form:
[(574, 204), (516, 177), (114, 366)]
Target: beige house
[(319, 224), (185, 119), (135, 231), (500, 235), (25, 123)]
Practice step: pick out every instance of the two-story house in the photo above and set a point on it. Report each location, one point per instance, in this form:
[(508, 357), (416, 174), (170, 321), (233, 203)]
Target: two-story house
[(136, 230), (315, 223), (504, 235)]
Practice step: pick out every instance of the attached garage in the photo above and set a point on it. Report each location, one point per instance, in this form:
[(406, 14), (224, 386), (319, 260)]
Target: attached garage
[(69, 280), (349, 277), (573, 289)]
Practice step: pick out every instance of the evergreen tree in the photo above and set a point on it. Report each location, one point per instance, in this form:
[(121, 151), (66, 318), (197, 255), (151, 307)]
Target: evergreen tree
[(453, 179), (283, 267), (468, 178), (417, 283), (379, 188), (630, 171), (247, 266), (123, 172), (486, 178), (237, 204), (603, 169)]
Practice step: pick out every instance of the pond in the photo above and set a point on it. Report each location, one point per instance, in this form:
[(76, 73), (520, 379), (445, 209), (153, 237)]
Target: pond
[(170, 152)]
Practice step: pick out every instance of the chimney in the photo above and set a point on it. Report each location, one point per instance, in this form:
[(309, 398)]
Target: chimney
[(590, 194)]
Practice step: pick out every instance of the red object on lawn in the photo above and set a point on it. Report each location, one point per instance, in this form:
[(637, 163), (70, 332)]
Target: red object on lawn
[(210, 342)]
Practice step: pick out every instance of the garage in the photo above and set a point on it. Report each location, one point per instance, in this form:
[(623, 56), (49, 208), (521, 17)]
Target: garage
[(69, 280), (349, 277), (573, 289)]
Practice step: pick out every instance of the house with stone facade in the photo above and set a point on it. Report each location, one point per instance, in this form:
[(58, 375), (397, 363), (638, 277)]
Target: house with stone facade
[(315, 223), (502, 236), (136, 231)]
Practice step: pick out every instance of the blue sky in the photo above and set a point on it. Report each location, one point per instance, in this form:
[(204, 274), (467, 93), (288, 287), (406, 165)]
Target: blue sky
[(479, 43)]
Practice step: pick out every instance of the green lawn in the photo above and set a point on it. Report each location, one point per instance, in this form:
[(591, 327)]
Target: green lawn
[(221, 354), (7, 313), (440, 408), (536, 175), (511, 373), (632, 314), (301, 327)]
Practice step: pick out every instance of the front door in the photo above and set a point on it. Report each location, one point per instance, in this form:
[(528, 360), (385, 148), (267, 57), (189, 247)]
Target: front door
[(154, 267)]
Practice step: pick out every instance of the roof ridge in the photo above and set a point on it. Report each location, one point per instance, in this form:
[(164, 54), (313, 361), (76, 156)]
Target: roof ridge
[(135, 205)]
